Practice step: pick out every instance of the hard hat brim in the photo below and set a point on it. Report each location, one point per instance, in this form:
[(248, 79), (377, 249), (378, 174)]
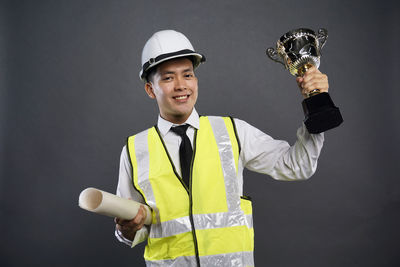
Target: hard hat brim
[(199, 58)]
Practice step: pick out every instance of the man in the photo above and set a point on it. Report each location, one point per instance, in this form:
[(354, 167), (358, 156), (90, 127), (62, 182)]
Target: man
[(188, 169)]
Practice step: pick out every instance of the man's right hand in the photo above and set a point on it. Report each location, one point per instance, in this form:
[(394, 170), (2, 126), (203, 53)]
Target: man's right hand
[(128, 228)]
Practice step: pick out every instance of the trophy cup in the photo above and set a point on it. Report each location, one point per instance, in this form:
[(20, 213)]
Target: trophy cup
[(298, 50)]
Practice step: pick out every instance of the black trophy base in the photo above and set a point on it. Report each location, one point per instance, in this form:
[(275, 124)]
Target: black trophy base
[(321, 114)]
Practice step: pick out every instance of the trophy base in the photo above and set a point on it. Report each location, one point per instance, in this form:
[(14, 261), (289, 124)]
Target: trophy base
[(321, 114)]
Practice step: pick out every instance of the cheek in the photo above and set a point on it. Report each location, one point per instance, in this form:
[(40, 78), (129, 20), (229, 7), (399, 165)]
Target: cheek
[(161, 92), (194, 87), (196, 92)]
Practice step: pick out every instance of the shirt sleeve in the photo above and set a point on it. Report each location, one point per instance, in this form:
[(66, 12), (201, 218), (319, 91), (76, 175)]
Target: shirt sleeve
[(263, 154), (125, 189)]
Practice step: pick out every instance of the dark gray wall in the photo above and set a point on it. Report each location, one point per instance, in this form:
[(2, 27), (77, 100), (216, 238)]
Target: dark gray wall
[(3, 82), (70, 95)]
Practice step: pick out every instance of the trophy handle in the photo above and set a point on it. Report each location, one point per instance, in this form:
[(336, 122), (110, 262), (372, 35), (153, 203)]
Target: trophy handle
[(272, 54), (322, 36)]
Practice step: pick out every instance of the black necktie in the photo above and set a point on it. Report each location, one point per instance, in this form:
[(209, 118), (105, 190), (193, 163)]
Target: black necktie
[(185, 152)]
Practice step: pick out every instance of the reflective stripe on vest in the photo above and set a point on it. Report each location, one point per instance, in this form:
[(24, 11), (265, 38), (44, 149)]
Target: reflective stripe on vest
[(212, 207), (242, 259)]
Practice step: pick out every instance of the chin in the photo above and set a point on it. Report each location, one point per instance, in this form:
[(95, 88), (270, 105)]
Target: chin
[(183, 113)]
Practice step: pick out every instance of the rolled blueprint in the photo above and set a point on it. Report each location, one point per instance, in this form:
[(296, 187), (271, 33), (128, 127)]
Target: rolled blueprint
[(104, 203)]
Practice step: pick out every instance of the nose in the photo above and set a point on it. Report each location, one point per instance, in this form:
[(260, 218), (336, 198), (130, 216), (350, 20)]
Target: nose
[(180, 84)]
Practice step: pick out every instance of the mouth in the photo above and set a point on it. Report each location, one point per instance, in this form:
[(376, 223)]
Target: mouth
[(181, 97)]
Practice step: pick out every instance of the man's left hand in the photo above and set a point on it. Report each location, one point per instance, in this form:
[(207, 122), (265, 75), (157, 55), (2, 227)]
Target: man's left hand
[(312, 79)]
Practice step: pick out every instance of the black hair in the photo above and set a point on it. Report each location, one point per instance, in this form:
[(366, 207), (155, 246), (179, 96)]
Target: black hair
[(150, 74)]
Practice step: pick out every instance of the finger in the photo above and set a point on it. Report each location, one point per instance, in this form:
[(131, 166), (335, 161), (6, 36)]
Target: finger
[(306, 84), (144, 215), (141, 216), (315, 75), (299, 80), (313, 69), (145, 212), (309, 72), (320, 86), (315, 83), (117, 221), (121, 222), (128, 226), (316, 79)]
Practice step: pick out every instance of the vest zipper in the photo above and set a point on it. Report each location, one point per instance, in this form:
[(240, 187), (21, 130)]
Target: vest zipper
[(196, 247)]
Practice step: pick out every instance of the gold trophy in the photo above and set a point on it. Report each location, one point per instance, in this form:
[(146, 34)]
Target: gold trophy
[(298, 50)]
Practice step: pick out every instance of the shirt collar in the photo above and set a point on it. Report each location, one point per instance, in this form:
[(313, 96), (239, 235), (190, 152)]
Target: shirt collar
[(164, 126)]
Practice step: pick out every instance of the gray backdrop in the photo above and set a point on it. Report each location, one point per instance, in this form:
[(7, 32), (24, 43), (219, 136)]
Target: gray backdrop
[(70, 95)]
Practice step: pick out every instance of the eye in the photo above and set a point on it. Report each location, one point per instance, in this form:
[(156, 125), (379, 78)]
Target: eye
[(188, 75), (167, 78)]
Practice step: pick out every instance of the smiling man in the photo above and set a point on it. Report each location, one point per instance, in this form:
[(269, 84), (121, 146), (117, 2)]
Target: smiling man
[(189, 168), (174, 86)]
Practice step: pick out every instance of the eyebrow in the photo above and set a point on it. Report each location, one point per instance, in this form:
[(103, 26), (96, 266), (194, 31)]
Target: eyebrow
[(173, 72), (188, 70), (167, 72)]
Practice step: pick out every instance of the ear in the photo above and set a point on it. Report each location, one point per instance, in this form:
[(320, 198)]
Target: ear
[(148, 87)]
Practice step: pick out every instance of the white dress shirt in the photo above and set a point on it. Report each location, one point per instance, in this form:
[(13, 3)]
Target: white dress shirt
[(259, 152)]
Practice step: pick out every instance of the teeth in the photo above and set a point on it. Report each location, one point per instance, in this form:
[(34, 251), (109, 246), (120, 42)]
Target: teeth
[(181, 97)]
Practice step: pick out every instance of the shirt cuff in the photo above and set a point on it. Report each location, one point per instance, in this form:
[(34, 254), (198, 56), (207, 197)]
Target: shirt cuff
[(140, 236), (121, 238)]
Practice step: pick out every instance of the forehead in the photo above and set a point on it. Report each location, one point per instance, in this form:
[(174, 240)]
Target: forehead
[(176, 65)]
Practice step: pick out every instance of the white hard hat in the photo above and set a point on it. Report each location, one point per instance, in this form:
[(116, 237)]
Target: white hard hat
[(166, 45)]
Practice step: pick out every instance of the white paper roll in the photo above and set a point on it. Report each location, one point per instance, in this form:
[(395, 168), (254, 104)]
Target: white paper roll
[(104, 203)]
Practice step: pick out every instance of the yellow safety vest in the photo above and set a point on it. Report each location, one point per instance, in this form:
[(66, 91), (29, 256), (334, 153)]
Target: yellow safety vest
[(207, 224)]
